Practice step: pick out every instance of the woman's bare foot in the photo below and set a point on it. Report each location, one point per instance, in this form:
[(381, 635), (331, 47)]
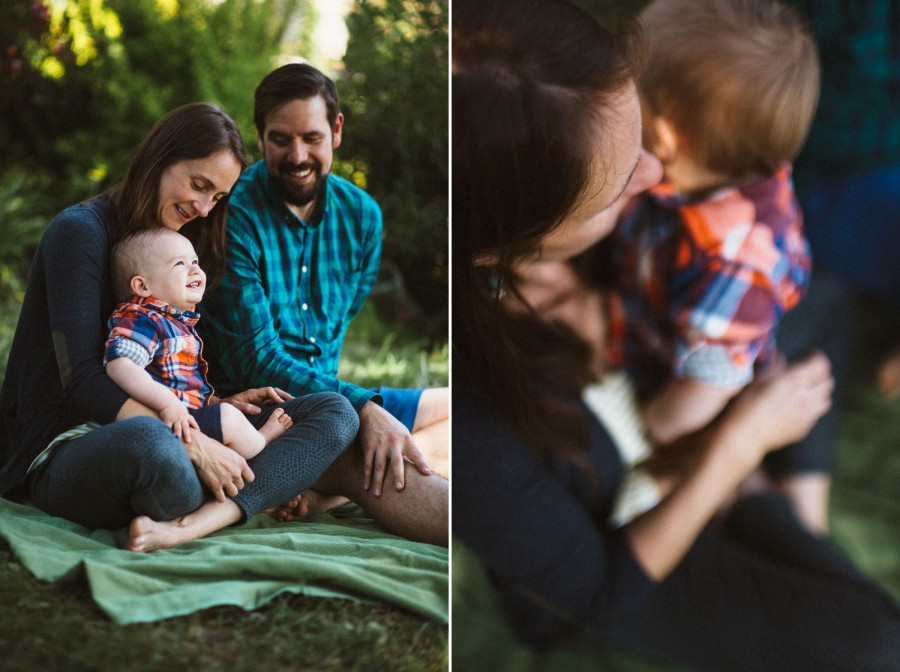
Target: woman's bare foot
[(277, 424), (146, 534)]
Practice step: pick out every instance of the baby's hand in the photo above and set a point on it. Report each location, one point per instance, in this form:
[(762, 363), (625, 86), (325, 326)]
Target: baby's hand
[(178, 418)]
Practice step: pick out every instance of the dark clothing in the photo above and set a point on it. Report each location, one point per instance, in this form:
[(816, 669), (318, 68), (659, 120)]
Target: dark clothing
[(761, 595), (540, 531), (137, 467), (55, 377), (209, 419), (857, 124)]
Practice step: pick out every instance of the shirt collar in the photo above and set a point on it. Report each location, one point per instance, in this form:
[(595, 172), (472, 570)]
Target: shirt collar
[(189, 317), (666, 195)]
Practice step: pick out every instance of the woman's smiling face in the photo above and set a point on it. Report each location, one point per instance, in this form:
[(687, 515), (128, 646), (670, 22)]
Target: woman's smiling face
[(191, 188), (621, 170)]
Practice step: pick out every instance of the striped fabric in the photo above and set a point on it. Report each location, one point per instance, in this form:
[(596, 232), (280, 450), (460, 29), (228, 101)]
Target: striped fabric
[(67, 435), (613, 401), (291, 287), (704, 281), (161, 339)]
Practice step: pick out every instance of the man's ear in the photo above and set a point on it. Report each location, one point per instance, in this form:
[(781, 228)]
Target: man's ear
[(338, 129), (665, 139), (259, 144), (140, 287)]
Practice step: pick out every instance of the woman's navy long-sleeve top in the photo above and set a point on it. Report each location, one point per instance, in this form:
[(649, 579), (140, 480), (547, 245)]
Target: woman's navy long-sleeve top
[(541, 530), (55, 377)]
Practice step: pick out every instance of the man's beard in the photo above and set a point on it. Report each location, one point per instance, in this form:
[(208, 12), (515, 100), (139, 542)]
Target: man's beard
[(300, 195)]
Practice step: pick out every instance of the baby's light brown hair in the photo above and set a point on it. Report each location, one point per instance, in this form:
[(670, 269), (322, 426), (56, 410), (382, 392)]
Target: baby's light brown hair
[(738, 80), (130, 256)]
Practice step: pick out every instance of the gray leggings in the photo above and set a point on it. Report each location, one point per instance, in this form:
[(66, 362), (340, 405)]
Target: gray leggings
[(137, 467)]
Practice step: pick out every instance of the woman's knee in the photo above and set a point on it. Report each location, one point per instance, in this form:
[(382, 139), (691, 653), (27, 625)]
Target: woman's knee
[(148, 441), (328, 408)]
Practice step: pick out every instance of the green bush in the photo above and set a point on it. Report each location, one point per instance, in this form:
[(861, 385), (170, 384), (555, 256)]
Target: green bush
[(103, 72), (394, 95)]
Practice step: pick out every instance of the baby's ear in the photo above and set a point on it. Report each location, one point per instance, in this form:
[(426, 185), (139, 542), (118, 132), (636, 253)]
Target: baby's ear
[(665, 139), (140, 287)]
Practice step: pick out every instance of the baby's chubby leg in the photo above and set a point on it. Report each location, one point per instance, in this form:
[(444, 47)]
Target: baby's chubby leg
[(243, 438)]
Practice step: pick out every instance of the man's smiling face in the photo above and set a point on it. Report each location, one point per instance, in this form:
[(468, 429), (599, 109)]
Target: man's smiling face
[(298, 145)]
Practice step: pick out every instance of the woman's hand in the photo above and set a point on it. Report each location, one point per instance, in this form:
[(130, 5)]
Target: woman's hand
[(221, 469), (782, 404), (250, 401)]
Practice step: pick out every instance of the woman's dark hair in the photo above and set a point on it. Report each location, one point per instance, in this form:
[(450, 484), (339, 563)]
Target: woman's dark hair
[(193, 131), (295, 81), (530, 80)]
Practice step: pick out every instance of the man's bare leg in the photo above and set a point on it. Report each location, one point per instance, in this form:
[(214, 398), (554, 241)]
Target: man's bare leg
[(434, 406), (434, 442), (419, 512), (431, 429)]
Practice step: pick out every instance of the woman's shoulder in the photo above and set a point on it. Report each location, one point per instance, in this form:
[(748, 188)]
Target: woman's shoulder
[(86, 220)]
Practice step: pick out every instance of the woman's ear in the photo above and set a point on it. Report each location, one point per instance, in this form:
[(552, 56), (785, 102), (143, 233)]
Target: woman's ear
[(140, 287)]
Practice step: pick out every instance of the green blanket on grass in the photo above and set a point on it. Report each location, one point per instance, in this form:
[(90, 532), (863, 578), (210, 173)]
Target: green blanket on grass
[(343, 554)]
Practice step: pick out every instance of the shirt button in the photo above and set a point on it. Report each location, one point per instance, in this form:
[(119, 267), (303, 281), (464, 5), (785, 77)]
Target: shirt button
[(312, 339), (310, 359), (305, 306), (303, 269)]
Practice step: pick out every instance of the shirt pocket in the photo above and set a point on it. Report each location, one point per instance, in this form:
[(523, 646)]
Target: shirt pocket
[(338, 299)]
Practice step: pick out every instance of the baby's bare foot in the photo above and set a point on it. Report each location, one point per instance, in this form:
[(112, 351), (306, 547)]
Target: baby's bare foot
[(146, 534), (277, 424)]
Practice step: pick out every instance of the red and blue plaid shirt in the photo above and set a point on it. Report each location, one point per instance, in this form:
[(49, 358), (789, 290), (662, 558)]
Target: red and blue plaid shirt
[(704, 281), (161, 339)]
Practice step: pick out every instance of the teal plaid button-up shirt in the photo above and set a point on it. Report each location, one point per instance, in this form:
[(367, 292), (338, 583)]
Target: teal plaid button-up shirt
[(290, 288)]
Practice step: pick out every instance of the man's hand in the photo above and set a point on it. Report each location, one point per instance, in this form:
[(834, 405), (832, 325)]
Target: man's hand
[(249, 401), (384, 438), (221, 469)]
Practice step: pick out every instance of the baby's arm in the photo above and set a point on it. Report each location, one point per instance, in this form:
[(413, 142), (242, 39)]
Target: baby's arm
[(140, 386), (684, 406)]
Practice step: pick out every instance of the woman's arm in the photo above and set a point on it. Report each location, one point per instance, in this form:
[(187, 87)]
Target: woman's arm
[(74, 253), (684, 406), (775, 410)]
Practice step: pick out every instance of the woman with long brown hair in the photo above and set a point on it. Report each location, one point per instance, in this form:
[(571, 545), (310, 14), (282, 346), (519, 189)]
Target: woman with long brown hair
[(546, 150)]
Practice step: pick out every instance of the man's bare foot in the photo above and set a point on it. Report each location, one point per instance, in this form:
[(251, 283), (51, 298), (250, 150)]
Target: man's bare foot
[(307, 502), (808, 493), (277, 424), (889, 374), (146, 534)]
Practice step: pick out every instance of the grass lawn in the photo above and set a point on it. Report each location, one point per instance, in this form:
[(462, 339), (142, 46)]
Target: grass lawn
[(46, 626)]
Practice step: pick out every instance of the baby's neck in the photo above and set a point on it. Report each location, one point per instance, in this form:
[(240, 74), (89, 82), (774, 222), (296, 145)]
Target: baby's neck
[(689, 177)]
